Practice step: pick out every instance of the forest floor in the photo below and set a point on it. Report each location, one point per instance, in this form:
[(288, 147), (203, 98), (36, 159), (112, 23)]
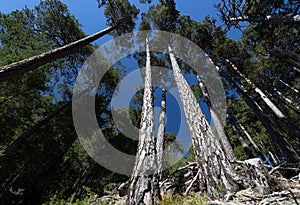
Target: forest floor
[(288, 196)]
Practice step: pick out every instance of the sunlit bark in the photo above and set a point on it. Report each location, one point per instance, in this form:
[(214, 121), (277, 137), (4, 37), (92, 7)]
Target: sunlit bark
[(144, 185)]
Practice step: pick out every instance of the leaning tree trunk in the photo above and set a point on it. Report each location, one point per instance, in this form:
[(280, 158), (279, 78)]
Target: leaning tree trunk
[(13, 147), (294, 131), (284, 146), (23, 66), (291, 58), (144, 187), (215, 172), (218, 124), (161, 134), (249, 138), (242, 141), (287, 85)]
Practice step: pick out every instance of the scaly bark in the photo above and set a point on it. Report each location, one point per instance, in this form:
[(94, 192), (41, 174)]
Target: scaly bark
[(216, 174), (144, 186), (217, 123), (23, 66), (161, 134)]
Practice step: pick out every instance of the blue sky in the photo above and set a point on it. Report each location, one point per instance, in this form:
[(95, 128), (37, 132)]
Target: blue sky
[(93, 20)]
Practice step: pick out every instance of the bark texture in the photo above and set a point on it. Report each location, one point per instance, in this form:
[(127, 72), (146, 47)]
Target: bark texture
[(144, 186), (217, 123), (216, 174), (161, 134), (23, 66)]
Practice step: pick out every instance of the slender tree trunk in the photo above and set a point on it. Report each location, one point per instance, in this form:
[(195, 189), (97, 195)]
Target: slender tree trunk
[(144, 187), (289, 18), (242, 141), (287, 85), (13, 147), (161, 134), (287, 101), (285, 148), (294, 131), (291, 58), (23, 66), (215, 172), (217, 123), (249, 138)]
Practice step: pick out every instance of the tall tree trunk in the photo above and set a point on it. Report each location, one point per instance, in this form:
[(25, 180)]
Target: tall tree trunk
[(242, 141), (294, 131), (23, 66), (291, 58), (13, 147), (249, 138), (287, 85), (161, 134), (215, 172), (217, 123), (287, 101), (285, 148), (144, 187)]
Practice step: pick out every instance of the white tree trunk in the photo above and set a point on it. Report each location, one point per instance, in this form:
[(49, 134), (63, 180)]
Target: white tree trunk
[(293, 129), (249, 138), (23, 66), (287, 85), (161, 134), (283, 145), (216, 173), (242, 141), (217, 123), (144, 186)]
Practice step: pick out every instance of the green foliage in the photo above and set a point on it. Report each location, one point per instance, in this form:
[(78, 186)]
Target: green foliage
[(120, 10), (193, 199), (163, 15)]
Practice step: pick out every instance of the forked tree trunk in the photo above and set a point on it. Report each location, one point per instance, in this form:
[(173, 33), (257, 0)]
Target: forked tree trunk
[(217, 123), (284, 146), (216, 175), (23, 66), (144, 185), (294, 131), (161, 134)]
